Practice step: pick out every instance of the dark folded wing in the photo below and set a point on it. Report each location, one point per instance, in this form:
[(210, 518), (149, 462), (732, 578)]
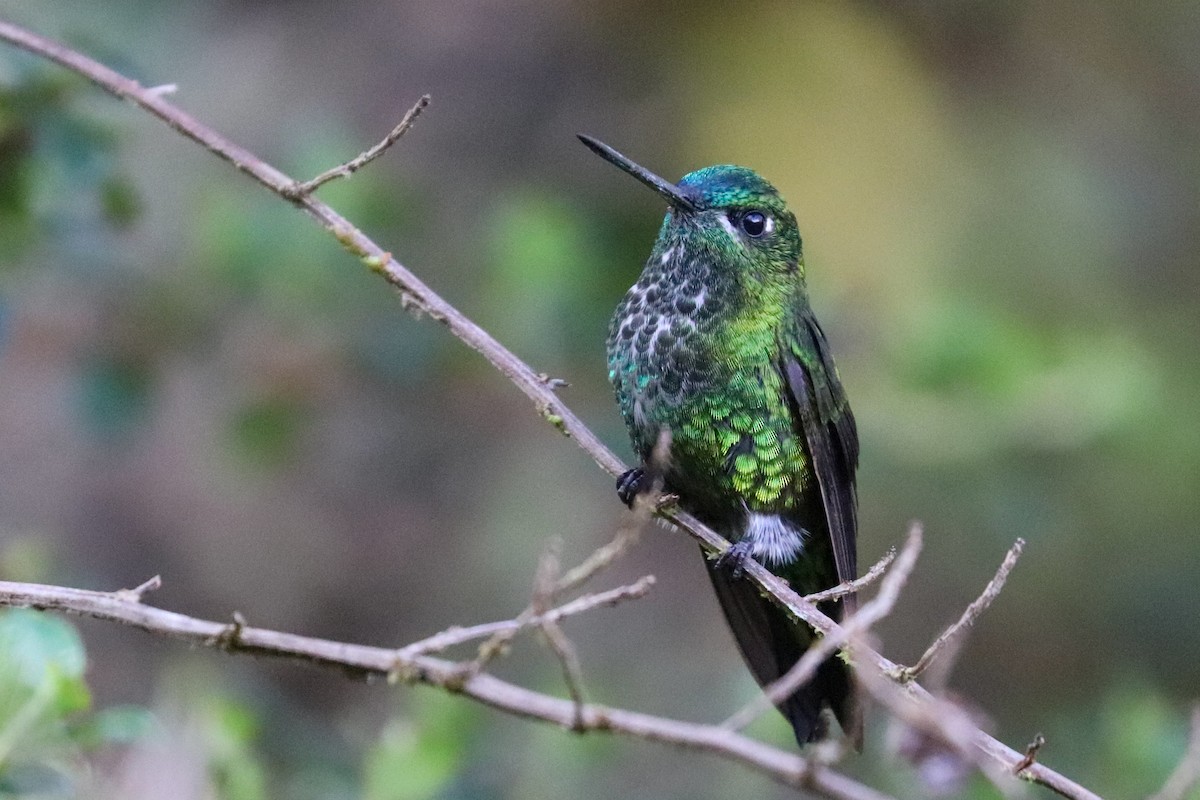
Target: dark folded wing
[(830, 434)]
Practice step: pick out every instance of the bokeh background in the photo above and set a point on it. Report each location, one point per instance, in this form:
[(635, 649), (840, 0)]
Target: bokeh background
[(1001, 209)]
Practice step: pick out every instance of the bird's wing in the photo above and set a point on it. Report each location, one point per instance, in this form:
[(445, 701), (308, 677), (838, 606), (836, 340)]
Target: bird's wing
[(830, 433)]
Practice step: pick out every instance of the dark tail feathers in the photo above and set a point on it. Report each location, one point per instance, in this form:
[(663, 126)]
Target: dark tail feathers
[(771, 643)]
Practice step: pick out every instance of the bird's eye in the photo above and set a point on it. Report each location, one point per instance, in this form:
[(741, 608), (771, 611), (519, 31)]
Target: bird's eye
[(754, 223)]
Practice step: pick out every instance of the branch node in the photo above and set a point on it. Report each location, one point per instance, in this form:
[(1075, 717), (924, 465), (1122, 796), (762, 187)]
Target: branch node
[(230, 638), (551, 415), (1031, 752), (377, 263)]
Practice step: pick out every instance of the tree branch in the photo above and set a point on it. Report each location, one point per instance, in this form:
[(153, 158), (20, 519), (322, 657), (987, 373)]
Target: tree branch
[(787, 768), (419, 298)]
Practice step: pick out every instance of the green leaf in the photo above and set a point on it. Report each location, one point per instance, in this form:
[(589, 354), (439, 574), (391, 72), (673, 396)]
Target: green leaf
[(36, 646)]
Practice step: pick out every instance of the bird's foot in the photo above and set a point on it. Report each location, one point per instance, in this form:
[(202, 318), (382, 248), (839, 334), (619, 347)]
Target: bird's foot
[(632, 483), (734, 559)]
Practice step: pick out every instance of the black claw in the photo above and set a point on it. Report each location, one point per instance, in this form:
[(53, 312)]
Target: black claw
[(631, 484), (734, 559)]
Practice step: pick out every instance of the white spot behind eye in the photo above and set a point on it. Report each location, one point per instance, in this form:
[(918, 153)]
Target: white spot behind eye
[(769, 225)]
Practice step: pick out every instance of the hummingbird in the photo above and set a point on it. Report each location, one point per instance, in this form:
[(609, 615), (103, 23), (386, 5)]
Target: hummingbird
[(717, 345)]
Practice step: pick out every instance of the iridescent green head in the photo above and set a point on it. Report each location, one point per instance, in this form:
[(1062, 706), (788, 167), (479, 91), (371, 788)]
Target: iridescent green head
[(732, 209)]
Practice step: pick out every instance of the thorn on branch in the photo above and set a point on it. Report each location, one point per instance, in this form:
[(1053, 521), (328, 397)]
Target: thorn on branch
[(553, 383), (1031, 752), (300, 190), (162, 90), (135, 595)]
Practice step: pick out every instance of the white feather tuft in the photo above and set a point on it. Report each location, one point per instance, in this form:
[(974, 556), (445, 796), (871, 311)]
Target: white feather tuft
[(773, 541)]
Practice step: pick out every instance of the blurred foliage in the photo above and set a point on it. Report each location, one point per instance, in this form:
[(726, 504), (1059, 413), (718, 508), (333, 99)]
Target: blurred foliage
[(47, 726), (50, 151), (1000, 205)]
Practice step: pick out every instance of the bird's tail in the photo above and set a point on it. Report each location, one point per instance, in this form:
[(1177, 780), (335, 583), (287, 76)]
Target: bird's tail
[(771, 643)]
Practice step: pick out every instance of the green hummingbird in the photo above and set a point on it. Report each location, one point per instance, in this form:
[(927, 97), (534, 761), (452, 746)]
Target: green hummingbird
[(717, 344)]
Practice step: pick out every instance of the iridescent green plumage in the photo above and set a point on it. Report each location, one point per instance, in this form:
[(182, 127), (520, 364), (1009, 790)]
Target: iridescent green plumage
[(717, 344)]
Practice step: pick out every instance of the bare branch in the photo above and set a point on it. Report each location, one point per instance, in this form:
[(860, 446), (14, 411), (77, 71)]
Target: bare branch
[(1187, 774), (416, 297), (786, 768), (851, 587), (457, 635), (298, 190), (803, 670), (951, 634)]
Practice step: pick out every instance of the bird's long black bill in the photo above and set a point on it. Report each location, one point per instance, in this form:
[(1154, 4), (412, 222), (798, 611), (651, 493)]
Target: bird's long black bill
[(670, 191)]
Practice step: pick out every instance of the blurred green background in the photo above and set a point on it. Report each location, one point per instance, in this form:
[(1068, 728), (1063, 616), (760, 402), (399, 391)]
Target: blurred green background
[(1001, 209)]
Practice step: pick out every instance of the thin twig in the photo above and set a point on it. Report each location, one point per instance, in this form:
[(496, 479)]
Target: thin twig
[(803, 670), (981, 603), (306, 188), (458, 635), (572, 670), (418, 298), (1187, 773), (136, 594), (782, 766), (851, 587), (568, 658)]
